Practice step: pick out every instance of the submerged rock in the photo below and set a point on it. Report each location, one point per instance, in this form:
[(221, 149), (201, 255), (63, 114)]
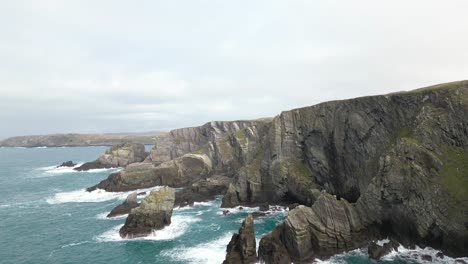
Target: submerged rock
[(242, 247), (125, 208), (119, 155), (154, 213), (67, 164)]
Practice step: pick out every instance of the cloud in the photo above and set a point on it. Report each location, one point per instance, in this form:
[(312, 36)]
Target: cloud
[(111, 66)]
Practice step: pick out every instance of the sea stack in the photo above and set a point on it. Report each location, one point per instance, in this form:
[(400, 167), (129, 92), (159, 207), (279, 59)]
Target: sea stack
[(119, 155), (242, 248), (125, 208), (154, 213)]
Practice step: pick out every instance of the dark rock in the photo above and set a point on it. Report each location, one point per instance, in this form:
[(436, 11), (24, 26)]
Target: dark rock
[(256, 215), (440, 255), (141, 193), (153, 213), (426, 258), (226, 212), (202, 190), (264, 207), (125, 208), (242, 247), (93, 165), (272, 249), (292, 206), (376, 252), (67, 164), (460, 261), (241, 208)]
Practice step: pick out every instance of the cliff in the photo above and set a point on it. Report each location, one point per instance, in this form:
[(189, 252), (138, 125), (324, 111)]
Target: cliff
[(391, 165)]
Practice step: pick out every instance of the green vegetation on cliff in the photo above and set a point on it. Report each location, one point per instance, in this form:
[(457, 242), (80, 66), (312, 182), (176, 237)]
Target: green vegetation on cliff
[(455, 172)]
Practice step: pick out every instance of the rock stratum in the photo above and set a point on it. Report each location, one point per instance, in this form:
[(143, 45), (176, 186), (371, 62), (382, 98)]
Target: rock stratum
[(393, 165)]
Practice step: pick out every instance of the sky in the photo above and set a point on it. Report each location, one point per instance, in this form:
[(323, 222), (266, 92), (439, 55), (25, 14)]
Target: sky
[(131, 66)]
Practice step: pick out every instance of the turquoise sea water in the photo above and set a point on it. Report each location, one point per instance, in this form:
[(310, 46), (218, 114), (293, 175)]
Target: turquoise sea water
[(47, 217)]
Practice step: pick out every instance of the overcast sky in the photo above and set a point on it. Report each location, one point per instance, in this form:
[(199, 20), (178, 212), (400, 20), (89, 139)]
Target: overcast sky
[(122, 66)]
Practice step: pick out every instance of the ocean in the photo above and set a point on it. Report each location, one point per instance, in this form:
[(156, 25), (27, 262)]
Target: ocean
[(46, 216)]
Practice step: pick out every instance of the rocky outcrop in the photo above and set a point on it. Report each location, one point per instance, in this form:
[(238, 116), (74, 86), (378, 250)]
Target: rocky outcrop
[(242, 247), (328, 227), (119, 155), (125, 208), (202, 190), (179, 172), (67, 164), (185, 140), (400, 159), (154, 213)]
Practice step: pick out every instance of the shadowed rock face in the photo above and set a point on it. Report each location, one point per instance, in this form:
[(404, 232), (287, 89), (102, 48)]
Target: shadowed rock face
[(202, 190), (154, 212), (401, 158), (119, 155), (242, 247)]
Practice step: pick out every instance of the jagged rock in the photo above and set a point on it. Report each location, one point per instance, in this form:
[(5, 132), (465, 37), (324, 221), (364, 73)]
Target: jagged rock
[(226, 212), (67, 164), (119, 155), (154, 212), (460, 261), (272, 249), (242, 247), (376, 252), (440, 255), (176, 173), (125, 208), (328, 227), (141, 193), (292, 206), (264, 207), (426, 258)]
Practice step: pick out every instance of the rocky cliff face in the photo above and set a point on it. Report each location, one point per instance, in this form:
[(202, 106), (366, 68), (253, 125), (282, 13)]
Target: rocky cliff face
[(185, 140), (400, 157)]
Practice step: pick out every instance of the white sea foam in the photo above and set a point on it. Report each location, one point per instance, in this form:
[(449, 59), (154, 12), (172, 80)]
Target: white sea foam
[(405, 254), (179, 225), (96, 196), (4, 205), (211, 252), (237, 210), (51, 170)]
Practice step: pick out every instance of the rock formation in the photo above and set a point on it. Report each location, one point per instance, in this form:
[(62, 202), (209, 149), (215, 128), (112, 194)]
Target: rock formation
[(242, 247), (328, 227), (125, 208), (67, 164), (179, 172), (119, 155), (154, 213)]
